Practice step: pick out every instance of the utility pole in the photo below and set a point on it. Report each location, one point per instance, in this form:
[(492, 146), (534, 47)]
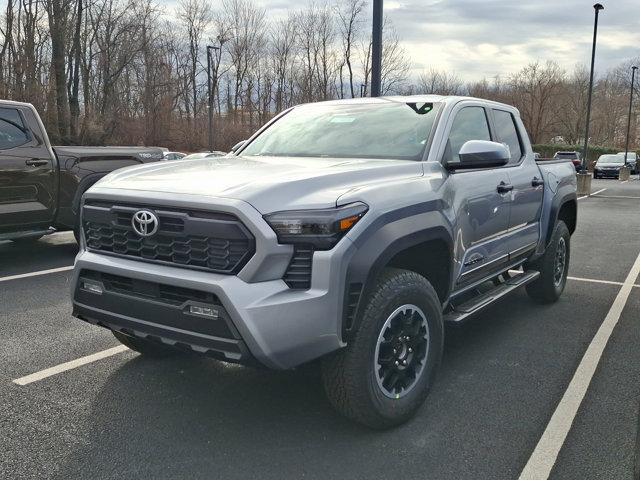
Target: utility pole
[(597, 7), (376, 49), (626, 147)]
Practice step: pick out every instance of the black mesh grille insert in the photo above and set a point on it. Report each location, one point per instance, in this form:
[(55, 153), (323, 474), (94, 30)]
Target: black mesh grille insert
[(210, 241), (298, 274)]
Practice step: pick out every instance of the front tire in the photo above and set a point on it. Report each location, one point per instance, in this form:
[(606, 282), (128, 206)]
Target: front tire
[(553, 267), (145, 347), (385, 373)]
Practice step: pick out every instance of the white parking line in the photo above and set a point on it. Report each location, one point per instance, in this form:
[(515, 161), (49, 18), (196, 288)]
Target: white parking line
[(594, 193), (63, 367), (35, 274), (546, 452), (618, 196), (582, 279), (595, 280)]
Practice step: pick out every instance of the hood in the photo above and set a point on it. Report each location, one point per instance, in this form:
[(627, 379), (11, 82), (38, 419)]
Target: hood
[(268, 183), (610, 164)]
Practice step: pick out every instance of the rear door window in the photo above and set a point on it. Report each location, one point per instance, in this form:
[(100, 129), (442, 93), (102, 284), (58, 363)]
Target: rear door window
[(507, 133), (12, 130)]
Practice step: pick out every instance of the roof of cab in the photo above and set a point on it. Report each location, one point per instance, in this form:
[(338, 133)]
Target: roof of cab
[(15, 104), (449, 99)]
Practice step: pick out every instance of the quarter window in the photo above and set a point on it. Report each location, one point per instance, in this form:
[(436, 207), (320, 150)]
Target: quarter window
[(12, 130), (508, 133), (470, 124)]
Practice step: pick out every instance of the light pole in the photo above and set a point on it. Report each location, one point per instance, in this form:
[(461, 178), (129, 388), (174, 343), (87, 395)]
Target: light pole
[(626, 146), (210, 91), (376, 49), (597, 7)]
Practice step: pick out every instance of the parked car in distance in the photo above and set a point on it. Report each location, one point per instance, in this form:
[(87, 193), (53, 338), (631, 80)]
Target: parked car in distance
[(608, 166), (215, 153), (632, 161), (575, 158), (537, 156), (347, 231), (40, 185), (174, 155)]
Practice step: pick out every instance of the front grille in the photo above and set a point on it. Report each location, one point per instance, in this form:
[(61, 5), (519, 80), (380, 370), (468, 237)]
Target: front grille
[(216, 242), (298, 274)]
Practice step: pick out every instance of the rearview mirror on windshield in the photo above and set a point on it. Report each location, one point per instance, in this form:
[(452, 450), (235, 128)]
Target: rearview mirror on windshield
[(481, 154)]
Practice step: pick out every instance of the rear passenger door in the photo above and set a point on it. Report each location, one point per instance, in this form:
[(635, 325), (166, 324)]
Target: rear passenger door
[(481, 211), (525, 177)]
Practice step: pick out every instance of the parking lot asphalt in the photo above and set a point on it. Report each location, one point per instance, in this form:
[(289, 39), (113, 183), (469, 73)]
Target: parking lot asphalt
[(503, 375)]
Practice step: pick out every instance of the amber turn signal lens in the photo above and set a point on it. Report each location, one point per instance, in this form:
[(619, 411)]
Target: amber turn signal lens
[(347, 223)]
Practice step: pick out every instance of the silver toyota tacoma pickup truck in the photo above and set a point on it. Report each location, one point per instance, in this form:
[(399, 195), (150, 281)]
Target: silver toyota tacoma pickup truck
[(345, 231)]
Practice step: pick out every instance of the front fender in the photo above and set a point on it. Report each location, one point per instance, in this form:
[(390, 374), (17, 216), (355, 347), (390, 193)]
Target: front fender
[(383, 239)]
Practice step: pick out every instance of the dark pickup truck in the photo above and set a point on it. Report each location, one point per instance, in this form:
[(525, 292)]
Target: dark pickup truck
[(41, 185)]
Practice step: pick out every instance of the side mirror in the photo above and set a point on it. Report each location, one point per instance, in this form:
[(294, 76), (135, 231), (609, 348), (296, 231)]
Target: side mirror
[(238, 146), (481, 154)]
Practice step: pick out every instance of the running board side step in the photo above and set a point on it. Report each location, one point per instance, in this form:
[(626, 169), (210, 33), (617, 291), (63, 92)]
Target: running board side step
[(471, 307), (27, 234)]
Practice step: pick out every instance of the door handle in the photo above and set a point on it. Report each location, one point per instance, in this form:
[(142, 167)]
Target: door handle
[(36, 162), (537, 182), (504, 187)]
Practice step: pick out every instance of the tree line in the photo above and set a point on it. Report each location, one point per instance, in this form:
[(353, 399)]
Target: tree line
[(135, 71)]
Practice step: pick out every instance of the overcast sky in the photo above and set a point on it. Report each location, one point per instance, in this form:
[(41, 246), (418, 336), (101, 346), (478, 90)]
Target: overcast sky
[(484, 38)]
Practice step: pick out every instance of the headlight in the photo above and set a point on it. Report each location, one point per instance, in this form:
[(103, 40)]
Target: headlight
[(320, 228)]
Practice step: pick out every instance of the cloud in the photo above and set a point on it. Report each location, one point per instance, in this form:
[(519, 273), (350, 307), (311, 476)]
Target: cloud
[(485, 38)]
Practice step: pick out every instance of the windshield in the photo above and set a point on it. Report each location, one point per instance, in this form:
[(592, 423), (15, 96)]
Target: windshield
[(612, 159), (368, 130)]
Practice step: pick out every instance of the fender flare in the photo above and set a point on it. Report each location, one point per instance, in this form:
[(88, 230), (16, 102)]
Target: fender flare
[(559, 201), (85, 184), (387, 236)]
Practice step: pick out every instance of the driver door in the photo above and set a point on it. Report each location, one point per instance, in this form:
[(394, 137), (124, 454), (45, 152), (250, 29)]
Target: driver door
[(27, 176), (481, 208)]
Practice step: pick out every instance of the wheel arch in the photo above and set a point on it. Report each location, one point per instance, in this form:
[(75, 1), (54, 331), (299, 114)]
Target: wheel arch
[(421, 243), (568, 213), (70, 210)]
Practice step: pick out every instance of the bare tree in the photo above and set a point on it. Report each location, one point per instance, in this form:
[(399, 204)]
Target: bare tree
[(440, 82), (349, 24), (536, 90), (195, 17), (58, 15), (395, 62)]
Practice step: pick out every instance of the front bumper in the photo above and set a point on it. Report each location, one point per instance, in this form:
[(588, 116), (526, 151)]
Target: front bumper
[(259, 317), (607, 173)]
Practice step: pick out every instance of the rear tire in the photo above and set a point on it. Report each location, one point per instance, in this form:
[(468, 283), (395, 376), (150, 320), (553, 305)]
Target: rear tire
[(553, 267), (145, 347), (385, 373)]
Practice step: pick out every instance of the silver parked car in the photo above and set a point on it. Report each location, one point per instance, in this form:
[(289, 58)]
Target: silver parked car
[(174, 155), (195, 156)]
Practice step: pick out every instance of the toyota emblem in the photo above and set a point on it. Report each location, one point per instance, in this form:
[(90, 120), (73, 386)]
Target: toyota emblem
[(144, 223)]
